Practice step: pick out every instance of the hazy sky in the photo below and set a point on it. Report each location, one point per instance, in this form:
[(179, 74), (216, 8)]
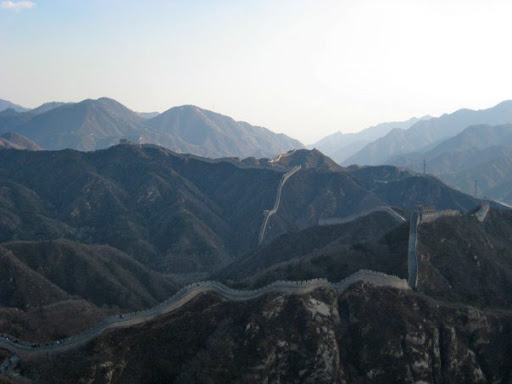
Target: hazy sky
[(305, 68)]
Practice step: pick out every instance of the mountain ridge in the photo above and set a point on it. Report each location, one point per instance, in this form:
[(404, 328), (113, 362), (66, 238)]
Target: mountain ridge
[(425, 133), (97, 124)]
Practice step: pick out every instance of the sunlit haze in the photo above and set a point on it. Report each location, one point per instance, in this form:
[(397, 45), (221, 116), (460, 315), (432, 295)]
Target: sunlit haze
[(304, 68)]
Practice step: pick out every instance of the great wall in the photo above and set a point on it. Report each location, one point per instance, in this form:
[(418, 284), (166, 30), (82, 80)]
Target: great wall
[(347, 219), (185, 295), (188, 293), (429, 215), (268, 214)]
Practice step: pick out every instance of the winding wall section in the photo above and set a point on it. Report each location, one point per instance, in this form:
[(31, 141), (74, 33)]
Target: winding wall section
[(284, 179), (188, 293), (347, 219)]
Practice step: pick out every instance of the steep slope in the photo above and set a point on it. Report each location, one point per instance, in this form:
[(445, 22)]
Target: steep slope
[(176, 213), (491, 168), (17, 141), (55, 321), (425, 133), (463, 260), (334, 252), (314, 194), (407, 190), (22, 287), (210, 134), (47, 107), (339, 146), (475, 137), (184, 214), (100, 274), (6, 144), (10, 119), (55, 289)]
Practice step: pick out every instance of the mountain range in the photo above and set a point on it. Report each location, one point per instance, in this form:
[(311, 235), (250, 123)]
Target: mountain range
[(425, 134), (469, 150), (480, 153), (455, 329), (340, 146), (186, 214), (89, 235), (98, 124)]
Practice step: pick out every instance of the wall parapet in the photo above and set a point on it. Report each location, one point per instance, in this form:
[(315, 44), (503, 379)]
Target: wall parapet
[(185, 294)]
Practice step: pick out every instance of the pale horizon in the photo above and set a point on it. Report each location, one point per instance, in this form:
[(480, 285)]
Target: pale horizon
[(303, 68)]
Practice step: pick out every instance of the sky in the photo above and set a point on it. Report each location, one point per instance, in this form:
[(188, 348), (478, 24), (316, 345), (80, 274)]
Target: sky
[(303, 68)]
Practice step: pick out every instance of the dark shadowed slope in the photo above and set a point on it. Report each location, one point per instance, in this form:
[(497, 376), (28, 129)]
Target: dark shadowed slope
[(176, 213), (183, 214), (463, 260), (99, 274), (334, 252)]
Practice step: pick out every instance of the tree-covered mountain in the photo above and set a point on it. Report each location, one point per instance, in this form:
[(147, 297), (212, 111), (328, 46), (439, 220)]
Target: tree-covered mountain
[(84, 235), (186, 214), (375, 241), (99, 274)]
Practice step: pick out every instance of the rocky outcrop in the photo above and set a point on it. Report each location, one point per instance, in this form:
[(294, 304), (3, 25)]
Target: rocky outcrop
[(367, 334), (408, 338)]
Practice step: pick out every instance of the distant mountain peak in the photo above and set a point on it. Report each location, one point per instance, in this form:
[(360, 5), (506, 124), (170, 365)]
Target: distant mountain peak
[(340, 146), (426, 133), (211, 134), (507, 104), (99, 123), (5, 104)]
